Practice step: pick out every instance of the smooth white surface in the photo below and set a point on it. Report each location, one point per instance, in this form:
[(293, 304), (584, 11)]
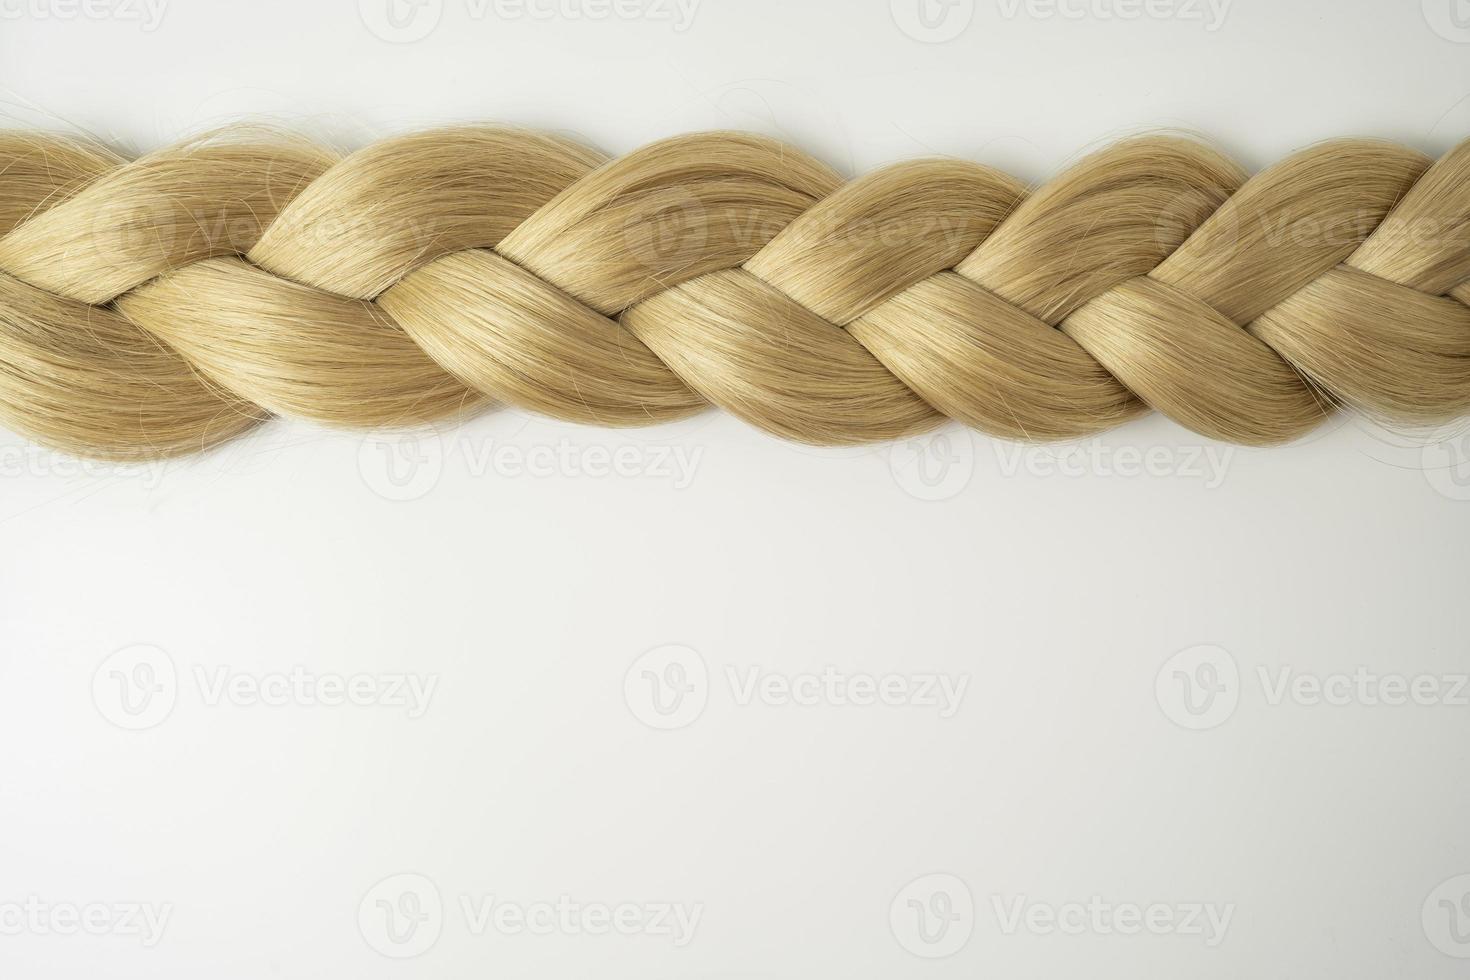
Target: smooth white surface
[(526, 570)]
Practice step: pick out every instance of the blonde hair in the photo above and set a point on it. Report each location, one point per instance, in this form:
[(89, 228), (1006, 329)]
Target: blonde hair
[(155, 307)]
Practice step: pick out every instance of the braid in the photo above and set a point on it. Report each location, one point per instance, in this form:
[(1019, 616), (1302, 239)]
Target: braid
[(156, 307)]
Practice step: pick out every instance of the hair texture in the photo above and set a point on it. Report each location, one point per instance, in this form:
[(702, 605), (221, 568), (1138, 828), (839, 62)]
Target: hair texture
[(156, 307)]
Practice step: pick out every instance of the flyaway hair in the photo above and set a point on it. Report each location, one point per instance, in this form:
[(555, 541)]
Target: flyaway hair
[(155, 307)]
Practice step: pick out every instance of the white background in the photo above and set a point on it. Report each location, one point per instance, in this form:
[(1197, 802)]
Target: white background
[(1074, 591)]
